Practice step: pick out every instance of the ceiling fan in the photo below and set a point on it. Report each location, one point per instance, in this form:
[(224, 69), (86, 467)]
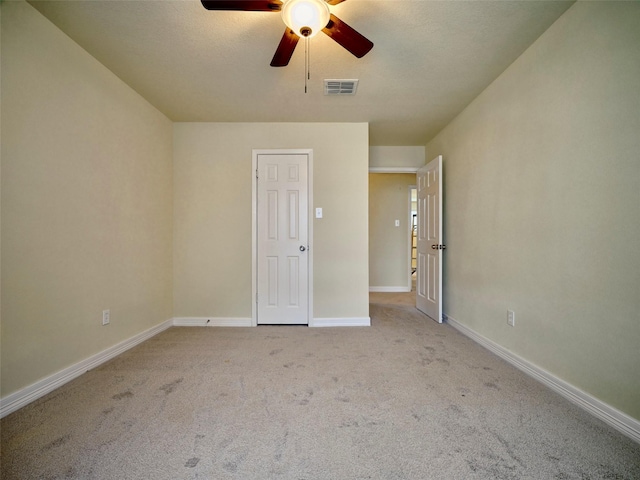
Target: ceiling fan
[(303, 18)]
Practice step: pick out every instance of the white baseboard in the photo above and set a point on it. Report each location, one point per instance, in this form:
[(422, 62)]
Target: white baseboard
[(212, 322), (23, 397), (246, 322), (404, 289), (622, 422), (341, 322)]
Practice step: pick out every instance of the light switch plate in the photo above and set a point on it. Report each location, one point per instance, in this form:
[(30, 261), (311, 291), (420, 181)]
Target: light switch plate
[(319, 212)]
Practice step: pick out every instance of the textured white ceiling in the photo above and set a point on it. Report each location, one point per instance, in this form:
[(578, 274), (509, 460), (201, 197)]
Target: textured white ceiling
[(430, 59)]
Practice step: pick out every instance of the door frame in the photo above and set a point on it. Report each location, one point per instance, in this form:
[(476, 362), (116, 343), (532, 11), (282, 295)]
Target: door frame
[(254, 225)]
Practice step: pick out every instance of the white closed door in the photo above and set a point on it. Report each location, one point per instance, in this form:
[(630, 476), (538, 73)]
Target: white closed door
[(430, 247), (282, 239)]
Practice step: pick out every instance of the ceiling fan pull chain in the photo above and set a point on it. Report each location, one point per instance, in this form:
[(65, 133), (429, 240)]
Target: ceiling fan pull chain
[(308, 59), (306, 63)]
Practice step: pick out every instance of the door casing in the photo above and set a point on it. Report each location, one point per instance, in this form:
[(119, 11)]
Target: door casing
[(254, 226)]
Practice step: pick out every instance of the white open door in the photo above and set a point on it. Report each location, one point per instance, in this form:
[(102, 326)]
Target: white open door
[(282, 239), (429, 251)]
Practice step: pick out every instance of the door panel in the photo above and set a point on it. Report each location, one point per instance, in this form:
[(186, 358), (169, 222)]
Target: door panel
[(429, 272), (282, 239)]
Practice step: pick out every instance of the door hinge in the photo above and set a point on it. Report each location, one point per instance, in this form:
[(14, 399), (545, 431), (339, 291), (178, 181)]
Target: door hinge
[(256, 173), (256, 298)]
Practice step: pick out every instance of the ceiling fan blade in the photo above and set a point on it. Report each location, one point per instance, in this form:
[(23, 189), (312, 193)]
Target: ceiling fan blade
[(346, 36), (285, 49), (334, 2), (244, 5)]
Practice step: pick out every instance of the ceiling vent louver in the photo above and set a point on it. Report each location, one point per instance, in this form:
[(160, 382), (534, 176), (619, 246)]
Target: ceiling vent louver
[(340, 87)]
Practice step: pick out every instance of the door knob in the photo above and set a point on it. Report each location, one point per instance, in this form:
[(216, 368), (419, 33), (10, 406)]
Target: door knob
[(434, 247), (302, 248)]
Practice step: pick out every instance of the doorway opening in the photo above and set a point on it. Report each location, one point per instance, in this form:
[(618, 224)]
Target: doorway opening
[(391, 222)]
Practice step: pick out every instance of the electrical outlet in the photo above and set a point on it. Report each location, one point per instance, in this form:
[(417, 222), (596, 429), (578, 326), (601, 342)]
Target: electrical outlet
[(511, 318), (106, 317)]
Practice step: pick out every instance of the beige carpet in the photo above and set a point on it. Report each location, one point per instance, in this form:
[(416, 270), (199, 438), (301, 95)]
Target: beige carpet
[(403, 399)]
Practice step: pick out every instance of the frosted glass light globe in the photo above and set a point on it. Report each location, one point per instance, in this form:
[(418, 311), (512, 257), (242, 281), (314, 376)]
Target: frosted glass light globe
[(305, 17)]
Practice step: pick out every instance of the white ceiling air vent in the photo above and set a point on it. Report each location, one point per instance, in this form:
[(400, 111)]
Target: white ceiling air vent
[(340, 87)]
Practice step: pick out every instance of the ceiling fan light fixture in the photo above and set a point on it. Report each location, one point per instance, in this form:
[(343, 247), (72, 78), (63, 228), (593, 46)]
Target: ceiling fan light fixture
[(306, 17)]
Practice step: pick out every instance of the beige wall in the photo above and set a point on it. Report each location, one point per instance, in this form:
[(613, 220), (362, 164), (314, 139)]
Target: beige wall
[(212, 188), (542, 204), (86, 204), (389, 245), (397, 157)]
